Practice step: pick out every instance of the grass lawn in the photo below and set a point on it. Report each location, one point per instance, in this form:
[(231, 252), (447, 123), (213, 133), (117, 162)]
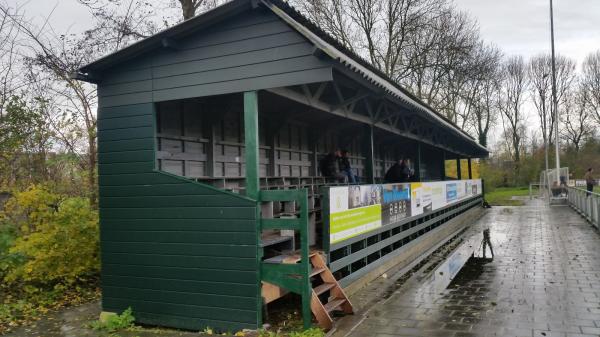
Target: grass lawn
[(501, 196)]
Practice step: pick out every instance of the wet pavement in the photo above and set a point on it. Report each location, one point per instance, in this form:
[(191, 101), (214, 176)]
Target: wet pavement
[(543, 281)]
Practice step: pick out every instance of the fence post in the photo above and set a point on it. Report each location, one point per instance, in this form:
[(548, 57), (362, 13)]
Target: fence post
[(597, 218)]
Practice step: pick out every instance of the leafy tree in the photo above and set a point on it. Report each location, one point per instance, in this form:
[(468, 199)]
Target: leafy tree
[(24, 143)]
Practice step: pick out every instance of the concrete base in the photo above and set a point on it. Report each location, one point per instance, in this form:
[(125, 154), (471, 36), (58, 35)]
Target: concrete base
[(421, 249), (558, 201)]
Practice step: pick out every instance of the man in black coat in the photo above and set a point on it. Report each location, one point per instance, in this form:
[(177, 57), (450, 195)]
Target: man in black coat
[(399, 172)]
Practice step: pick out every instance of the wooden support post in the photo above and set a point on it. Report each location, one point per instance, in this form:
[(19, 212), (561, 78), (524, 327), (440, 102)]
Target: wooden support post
[(369, 155), (458, 169), (251, 143), (470, 168)]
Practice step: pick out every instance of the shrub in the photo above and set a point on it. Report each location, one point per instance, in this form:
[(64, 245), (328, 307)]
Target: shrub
[(313, 332), (59, 238), (7, 238), (115, 322)]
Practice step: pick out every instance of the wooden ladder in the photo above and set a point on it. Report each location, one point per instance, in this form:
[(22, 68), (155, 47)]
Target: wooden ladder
[(328, 296)]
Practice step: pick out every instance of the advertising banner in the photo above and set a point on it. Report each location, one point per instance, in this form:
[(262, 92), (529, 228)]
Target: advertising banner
[(421, 202), (396, 203), (357, 209), (353, 210)]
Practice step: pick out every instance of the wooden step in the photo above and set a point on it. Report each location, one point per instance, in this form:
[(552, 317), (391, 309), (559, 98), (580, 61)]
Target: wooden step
[(334, 304), (316, 271), (323, 288)]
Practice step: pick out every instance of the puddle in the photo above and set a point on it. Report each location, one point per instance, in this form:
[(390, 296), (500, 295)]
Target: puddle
[(466, 260), (471, 271), (445, 272)]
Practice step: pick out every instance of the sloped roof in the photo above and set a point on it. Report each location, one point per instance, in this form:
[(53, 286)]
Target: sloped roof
[(322, 40)]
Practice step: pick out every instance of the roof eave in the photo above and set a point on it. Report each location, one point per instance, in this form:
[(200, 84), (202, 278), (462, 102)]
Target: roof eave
[(391, 88), (177, 31)]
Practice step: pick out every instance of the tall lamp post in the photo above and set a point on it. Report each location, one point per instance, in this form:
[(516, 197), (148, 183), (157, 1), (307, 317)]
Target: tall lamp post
[(554, 99)]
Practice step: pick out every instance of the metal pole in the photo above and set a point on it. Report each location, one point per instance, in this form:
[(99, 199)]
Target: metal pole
[(555, 101)]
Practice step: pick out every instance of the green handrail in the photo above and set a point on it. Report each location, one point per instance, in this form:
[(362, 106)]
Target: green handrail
[(293, 277)]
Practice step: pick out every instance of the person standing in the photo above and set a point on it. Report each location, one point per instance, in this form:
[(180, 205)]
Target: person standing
[(406, 171), (589, 180)]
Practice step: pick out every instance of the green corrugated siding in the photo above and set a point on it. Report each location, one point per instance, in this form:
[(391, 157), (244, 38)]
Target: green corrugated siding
[(179, 253)]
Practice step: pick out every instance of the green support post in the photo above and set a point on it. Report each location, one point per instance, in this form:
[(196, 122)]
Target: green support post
[(443, 168), (470, 168), (418, 163), (251, 143), (369, 152), (458, 169), (304, 261), (252, 180)]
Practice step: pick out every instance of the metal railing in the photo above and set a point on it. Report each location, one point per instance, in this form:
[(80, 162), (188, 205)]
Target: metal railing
[(585, 203)]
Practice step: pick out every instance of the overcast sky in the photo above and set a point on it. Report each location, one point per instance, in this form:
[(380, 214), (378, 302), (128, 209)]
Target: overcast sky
[(523, 26), (516, 26)]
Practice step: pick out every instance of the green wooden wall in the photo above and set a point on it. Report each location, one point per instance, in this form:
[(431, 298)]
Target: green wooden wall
[(251, 51), (179, 253)]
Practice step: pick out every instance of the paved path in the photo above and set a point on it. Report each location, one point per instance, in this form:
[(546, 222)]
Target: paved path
[(544, 281)]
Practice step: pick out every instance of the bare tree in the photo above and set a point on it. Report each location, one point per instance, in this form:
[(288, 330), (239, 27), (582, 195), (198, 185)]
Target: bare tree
[(189, 8), (10, 82), (576, 118), (591, 83), (484, 99), (331, 16), (441, 61), (118, 23), (382, 31), (481, 76), (53, 59), (514, 84), (540, 77)]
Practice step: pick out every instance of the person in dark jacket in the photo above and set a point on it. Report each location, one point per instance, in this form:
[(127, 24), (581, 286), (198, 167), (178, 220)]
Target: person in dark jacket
[(330, 166), (345, 167), (589, 180), (394, 173), (407, 172), (399, 172)]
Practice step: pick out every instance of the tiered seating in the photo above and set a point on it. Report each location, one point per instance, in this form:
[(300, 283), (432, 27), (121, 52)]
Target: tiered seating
[(277, 241)]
